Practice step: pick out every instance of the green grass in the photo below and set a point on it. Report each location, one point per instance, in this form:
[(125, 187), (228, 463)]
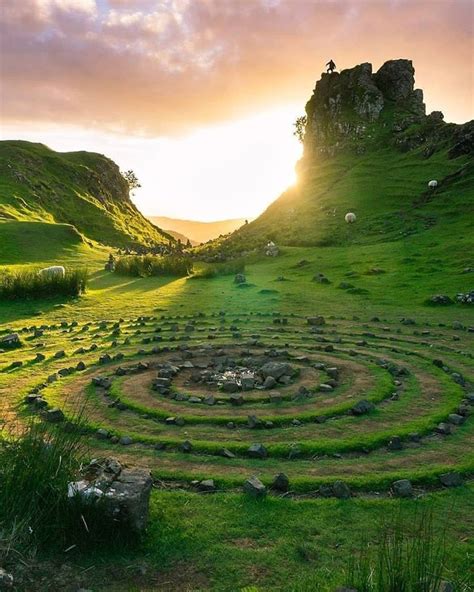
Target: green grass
[(81, 189), (153, 265), (17, 285)]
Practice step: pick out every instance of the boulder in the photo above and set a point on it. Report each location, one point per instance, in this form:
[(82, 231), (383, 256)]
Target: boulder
[(257, 451), (452, 479), (10, 341), (276, 370), (402, 488), (280, 482), (341, 490), (362, 407), (54, 415), (255, 488)]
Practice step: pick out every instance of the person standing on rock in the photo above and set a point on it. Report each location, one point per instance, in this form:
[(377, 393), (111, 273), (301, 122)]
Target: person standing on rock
[(331, 66)]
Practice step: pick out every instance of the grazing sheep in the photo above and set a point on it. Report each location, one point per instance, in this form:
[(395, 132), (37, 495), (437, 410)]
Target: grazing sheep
[(54, 270), (433, 183), (350, 218)]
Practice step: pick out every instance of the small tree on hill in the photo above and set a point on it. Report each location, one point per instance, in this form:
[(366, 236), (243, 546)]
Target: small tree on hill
[(132, 180), (300, 127)]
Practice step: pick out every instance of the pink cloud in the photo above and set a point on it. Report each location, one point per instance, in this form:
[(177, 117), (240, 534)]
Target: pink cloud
[(160, 67)]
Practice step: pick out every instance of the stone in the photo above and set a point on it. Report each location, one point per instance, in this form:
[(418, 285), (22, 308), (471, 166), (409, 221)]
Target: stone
[(255, 488), (226, 453), (280, 482), (54, 415), (443, 428), (257, 451), (59, 354), (230, 386), (102, 382), (10, 341), (456, 419), (39, 357), (269, 383), (317, 321), (210, 400), (126, 492), (207, 486), (102, 434), (80, 366), (276, 370), (253, 422), (6, 580), (452, 479), (362, 407), (125, 441), (240, 278), (341, 490), (236, 399), (402, 488), (186, 447), (395, 443)]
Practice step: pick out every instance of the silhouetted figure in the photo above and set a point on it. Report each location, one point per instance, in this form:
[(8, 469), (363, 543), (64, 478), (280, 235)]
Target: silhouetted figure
[(331, 66)]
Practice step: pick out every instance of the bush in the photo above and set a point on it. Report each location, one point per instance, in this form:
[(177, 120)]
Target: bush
[(31, 284), (154, 265), (211, 270), (36, 513), (410, 556)]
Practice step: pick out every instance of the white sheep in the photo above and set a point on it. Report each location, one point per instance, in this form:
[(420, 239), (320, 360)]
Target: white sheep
[(433, 183), (350, 217), (54, 270)]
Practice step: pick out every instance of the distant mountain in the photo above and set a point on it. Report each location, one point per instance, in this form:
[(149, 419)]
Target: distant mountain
[(181, 237), (81, 189), (198, 232), (370, 148)]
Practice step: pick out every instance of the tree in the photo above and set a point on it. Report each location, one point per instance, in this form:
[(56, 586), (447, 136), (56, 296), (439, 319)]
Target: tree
[(300, 127), (132, 180)]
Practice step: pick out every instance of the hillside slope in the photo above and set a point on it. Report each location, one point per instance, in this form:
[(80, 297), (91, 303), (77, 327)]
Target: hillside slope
[(82, 189), (369, 148)]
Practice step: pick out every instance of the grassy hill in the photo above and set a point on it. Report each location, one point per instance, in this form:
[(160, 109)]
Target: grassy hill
[(371, 151), (81, 189)]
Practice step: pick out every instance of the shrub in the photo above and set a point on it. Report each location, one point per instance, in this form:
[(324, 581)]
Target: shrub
[(154, 265), (410, 556), (211, 270), (30, 284)]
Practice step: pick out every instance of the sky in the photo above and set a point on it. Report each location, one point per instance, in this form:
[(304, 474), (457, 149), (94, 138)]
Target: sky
[(198, 97)]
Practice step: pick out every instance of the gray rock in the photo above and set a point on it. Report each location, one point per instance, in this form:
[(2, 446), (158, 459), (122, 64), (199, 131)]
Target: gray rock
[(102, 434), (10, 341), (253, 422), (186, 447), (456, 419), (207, 486), (54, 415), (341, 490), (443, 428), (230, 386), (316, 321), (395, 443), (280, 482), (269, 383), (226, 453), (125, 440), (402, 488), (276, 370), (452, 479), (255, 488), (236, 399), (362, 407), (257, 451)]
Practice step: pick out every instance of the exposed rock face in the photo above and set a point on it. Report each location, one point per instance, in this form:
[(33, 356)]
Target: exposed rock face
[(345, 104)]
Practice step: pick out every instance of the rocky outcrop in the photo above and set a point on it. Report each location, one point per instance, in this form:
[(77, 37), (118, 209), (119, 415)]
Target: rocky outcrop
[(344, 106)]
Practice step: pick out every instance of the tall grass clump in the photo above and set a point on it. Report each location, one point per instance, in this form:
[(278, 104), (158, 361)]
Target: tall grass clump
[(36, 514), (212, 270), (31, 284), (410, 555), (154, 265)]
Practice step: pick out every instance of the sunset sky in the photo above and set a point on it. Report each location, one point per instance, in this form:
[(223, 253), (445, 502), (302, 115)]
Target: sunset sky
[(199, 96)]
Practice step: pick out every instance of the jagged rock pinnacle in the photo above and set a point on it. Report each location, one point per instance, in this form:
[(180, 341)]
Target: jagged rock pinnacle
[(345, 105)]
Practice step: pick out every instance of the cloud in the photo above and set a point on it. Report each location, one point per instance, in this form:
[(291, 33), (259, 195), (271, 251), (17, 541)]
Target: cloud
[(158, 67)]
